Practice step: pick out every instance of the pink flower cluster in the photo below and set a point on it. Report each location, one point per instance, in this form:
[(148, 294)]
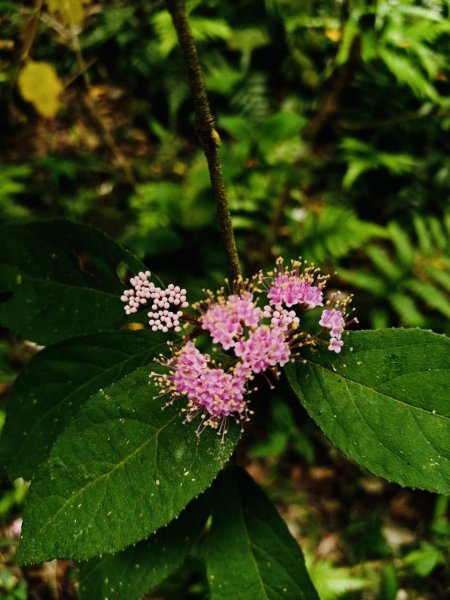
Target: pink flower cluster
[(161, 317), (226, 317), (248, 339), (212, 392), (292, 287), (333, 320)]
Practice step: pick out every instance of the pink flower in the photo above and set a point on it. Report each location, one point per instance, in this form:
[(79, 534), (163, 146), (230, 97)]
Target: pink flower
[(334, 320), (281, 318), (225, 318), (290, 287), (266, 347), (189, 365), (215, 387), (335, 345), (212, 391)]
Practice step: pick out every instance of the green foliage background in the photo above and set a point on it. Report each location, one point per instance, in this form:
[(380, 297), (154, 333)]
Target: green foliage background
[(334, 120)]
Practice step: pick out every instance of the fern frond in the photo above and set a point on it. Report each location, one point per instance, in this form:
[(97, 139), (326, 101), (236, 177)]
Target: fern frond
[(423, 236), (430, 295), (407, 310), (403, 246), (383, 262), (364, 281), (334, 232), (439, 276)]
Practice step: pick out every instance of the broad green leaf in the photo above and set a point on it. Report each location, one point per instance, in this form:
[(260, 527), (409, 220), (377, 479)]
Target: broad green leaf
[(131, 573), (55, 384), (40, 85), (384, 402), (121, 470), (70, 11), (250, 553), (62, 278)]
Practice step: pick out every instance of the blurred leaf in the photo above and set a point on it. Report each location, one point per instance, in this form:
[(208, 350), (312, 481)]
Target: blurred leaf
[(40, 85), (332, 233), (333, 582), (424, 560), (70, 11)]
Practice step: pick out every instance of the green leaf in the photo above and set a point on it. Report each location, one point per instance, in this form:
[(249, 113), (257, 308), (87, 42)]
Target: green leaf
[(333, 582), (425, 559), (384, 404), (134, 571), (120, 471), (62, 278), (55, 384), (250, 553)]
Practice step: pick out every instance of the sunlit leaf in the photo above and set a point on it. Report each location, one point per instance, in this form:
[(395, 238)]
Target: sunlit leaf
[(40, 85), (70, 11)]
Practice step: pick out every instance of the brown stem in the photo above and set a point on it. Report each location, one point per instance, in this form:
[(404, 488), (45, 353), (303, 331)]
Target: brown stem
[(209, 138)]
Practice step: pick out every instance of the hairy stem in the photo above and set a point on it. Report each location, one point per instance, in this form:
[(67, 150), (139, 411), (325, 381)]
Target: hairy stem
[(209, 138)]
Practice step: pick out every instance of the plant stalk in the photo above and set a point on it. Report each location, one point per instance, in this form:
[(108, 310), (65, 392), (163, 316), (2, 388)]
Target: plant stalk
[(209, 138)]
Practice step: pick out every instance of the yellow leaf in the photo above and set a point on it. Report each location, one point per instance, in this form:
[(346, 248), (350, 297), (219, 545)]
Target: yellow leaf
[(334, 35), (70, 11), (39, 84)]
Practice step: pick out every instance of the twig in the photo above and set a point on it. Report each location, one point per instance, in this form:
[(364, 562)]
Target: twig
[(329, 105), (94, 114), (209, 138), (436, 113)]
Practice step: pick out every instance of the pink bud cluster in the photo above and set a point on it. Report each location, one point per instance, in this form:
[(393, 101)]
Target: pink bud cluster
[(248, 338), (139, 294), (144, 292)]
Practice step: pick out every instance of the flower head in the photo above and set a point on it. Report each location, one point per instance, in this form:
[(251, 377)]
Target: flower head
[(266, 347), (334, 319), (212, 392), (225, 317), (257, 329), (292, 287)]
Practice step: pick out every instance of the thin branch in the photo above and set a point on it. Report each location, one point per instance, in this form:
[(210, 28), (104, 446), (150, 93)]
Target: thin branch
[(209, 138), (435, 113), (330, 104), (97, 118)]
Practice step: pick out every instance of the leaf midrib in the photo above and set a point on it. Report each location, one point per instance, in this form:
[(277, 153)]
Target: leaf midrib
[(250, 544)]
